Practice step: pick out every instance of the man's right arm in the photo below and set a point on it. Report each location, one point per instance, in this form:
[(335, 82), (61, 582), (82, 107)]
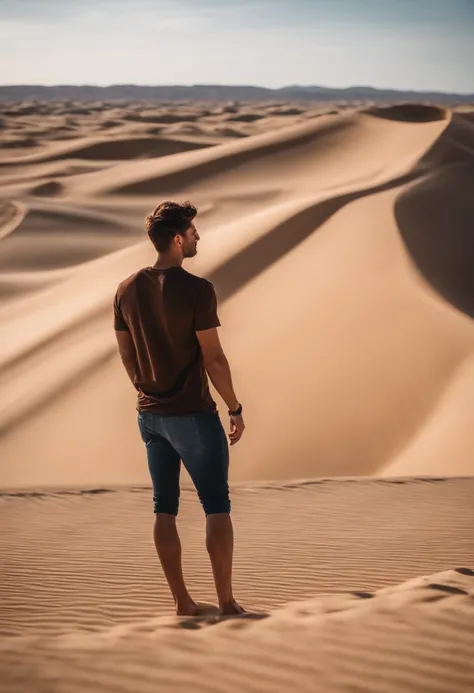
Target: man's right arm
[(218, 370)]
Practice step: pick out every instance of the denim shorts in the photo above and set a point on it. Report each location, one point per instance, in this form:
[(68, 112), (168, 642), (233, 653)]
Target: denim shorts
[(200, 442)]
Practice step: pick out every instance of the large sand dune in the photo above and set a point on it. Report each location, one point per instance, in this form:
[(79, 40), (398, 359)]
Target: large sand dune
[(340, 242), (341, 247)]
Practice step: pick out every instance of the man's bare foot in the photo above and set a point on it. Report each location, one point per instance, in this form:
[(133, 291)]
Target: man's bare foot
[(186, 608), (231, 609)]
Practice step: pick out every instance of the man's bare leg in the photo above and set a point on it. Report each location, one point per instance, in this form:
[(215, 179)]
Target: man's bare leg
[(168, 547), (220, 545)]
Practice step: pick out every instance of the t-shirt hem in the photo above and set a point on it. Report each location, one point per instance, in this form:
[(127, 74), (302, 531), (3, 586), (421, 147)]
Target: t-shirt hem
[(153, 409)]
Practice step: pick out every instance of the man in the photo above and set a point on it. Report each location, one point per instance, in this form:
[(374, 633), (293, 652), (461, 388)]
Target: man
[(166, 327)]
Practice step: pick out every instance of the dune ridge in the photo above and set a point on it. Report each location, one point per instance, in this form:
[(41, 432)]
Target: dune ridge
[(266, 654)]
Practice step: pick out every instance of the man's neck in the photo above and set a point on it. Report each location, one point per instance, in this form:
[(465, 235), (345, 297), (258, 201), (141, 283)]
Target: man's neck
[(163, 262)]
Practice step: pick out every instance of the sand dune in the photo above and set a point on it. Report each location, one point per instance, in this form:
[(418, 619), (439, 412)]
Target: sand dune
[(410, 112), (356, 226), (340, 243), (113, 150)]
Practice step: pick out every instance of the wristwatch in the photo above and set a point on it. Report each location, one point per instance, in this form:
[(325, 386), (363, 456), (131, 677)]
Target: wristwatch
[(237, 412)]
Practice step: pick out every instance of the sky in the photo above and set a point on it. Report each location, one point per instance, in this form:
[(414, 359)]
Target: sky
[(402, 44)]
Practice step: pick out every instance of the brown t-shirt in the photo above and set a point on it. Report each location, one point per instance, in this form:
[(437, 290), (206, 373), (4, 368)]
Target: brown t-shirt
[(163, 310)]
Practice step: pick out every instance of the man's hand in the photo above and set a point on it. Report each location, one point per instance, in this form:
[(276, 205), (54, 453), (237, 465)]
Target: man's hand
[(237, 428)]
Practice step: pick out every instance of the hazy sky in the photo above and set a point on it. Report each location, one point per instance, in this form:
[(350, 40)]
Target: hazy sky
[(419, 44)]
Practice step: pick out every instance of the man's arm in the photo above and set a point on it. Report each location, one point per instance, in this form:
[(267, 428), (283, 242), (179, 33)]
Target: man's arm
[(217, 366), (218, 369), (127, 353)]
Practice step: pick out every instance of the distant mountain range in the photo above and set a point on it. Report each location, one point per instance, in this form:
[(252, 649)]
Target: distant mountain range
[(204, 92)]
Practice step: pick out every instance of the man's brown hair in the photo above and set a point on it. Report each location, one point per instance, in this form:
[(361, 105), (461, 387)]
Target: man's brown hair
[(168, 220)]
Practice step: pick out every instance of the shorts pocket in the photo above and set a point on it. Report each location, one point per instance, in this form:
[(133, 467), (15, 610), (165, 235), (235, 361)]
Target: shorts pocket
[(142, 427)]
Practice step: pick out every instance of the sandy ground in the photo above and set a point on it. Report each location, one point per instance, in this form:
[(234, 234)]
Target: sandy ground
[(350, 584), (340, 243)]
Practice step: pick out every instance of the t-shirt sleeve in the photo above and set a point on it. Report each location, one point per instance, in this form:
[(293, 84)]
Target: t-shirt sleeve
[(206, 308), (119, 323)]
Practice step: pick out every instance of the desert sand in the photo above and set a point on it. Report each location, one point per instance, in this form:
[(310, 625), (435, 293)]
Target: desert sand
[(340, 242)]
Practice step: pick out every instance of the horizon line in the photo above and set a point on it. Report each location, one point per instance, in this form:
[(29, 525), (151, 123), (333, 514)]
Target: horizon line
[(235, 86)]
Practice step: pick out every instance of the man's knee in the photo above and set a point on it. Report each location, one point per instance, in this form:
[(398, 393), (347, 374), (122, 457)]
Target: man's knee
[(166, 504), (215, 503)]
